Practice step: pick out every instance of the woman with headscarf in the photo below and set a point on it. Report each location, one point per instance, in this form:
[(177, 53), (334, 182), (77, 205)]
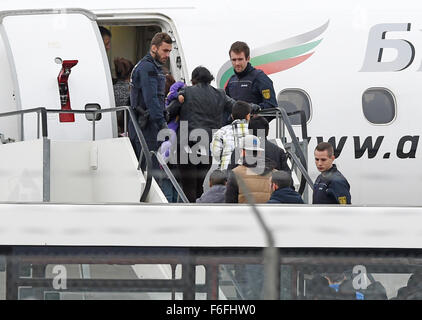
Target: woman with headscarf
[(200, 106)]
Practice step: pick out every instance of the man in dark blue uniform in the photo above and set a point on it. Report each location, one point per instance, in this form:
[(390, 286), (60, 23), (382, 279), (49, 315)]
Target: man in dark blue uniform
[(147, 95), (249, 84), (330, 187)]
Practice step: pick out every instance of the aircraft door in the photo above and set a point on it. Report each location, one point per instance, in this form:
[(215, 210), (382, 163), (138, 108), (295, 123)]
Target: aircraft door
[(35, 40)]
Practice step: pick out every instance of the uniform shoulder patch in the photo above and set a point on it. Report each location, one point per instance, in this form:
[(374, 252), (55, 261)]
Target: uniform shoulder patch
[(342, 200), (266, 93)]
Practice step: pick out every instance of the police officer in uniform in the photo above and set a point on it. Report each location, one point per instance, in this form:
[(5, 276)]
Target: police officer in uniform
[(147, 95), (330, 187), (249, 84)]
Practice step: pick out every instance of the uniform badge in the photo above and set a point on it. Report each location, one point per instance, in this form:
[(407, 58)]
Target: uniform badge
[(266, 94), (342, 200)]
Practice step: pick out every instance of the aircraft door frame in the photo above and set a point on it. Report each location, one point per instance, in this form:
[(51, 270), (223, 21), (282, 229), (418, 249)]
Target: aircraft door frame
[(178, 66)]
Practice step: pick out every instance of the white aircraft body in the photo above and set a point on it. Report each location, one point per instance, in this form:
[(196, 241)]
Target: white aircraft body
[(352, 66)]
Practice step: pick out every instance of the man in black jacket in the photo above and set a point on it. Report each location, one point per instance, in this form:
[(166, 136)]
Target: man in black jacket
[(147, 98), (330, 187), (147, 92), (260, 128), (247, 83)]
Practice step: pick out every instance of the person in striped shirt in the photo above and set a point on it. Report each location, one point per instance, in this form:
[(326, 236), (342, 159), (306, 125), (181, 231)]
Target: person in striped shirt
[(226, 139)]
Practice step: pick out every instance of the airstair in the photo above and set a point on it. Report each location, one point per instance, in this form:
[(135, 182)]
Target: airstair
[(84, 171), (106, 172), (295, 147), (95, 171)]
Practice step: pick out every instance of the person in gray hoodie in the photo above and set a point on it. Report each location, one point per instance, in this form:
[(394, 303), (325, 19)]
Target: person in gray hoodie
[(215, 194)]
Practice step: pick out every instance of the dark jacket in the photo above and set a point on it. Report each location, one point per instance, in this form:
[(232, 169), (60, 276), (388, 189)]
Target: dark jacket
[(273, 153), (413, 290), (148, 85), (375, 291), (214, 195), (331, 187), (277, 155), (285, 195), (253, 86), (147, 93), (203, 107)]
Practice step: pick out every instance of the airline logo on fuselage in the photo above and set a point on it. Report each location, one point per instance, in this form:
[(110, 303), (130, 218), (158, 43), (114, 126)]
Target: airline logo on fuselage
[(374, 60), (278, 56)]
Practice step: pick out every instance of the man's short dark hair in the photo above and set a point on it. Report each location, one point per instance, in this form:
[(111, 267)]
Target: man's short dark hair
[(104, 31), (259, 123), (240, 110), (201, 75), (322, 146), (159, 38), (282, 179), (239, 47), (218, 177)]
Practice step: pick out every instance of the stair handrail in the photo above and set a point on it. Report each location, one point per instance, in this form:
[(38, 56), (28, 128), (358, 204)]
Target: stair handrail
[(281, 112), (44, 127)]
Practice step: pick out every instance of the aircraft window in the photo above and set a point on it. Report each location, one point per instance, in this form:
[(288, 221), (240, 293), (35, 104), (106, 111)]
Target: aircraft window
[(379, 105), (293, 100)]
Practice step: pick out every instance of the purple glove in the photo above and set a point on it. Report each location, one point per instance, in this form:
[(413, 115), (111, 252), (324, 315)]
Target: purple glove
[(174, 91), (165, 150), (167, 146)]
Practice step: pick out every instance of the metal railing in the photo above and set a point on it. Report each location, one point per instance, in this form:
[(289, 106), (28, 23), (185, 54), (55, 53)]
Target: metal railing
[(171, 176), (296, 152), (41, 112), (42, 122)]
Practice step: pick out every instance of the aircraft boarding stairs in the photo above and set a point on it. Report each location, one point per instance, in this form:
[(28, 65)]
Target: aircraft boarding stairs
[(93, 172), (107, 171), (296, 149), (68, 173), (60, 171)]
